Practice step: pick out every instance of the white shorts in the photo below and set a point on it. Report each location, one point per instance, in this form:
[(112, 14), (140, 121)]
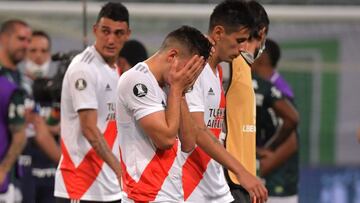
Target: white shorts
[(288, 199), (12, 195)]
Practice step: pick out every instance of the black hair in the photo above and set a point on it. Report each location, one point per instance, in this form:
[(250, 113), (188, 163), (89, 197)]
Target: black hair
[(261, 19), (232, 15), (8, 26), (190, 38), (40, 33), (273, 51), (115, 12), (134, 52)]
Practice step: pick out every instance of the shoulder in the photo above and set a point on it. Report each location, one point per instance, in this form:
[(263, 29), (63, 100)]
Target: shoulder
[(139, 73)]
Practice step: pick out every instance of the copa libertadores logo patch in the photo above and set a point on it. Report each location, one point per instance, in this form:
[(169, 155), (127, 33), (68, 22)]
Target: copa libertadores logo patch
[(80, 84), (140, 90)]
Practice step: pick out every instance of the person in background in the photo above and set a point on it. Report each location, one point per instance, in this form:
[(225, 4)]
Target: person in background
[(132, 53), (89, 169), (14, 40), (42, 153), (279, 163)]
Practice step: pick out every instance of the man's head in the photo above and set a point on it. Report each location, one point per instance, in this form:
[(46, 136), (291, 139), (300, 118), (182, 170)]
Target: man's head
[(230, 26), (111, 30), (39, 48), (132, 53), (183, 43), (256, 43), (14, 39)]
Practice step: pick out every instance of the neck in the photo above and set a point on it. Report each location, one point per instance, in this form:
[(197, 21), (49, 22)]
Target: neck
[(213, 62), (5, 61), (157, 68), (108, 60)]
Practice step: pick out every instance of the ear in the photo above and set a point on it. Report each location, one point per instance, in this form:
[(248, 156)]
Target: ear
[(95, 28), (172, 54), (128, 34), (262, 33), (217, 33)]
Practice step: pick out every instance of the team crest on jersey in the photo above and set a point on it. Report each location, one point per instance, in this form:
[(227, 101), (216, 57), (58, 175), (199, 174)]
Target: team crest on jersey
[(140, 90), (80, 84)]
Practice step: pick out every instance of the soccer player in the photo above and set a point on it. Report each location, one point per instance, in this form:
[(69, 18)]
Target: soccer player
[(14, 41), (240, 103), (203, 176), (37, 184), (279, 164), (150, 108), (88, 126)]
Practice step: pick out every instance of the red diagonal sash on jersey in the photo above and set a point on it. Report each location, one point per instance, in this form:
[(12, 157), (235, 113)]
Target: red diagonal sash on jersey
[(152, 178), (78, 180), (196, 164)]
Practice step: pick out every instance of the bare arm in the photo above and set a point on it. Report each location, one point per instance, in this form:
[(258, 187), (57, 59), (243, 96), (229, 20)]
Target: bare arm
[(273, 159), (18, 141), (88, 121), (163, 127), (286, 111), (187, 129), (45, 140), (211, 145)]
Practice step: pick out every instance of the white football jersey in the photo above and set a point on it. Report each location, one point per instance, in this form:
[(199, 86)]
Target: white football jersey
[(89, 83), (203, 177), (149, 174)]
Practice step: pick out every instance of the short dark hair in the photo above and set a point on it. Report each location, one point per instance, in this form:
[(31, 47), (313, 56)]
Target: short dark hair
[(134, 52), (190, 38), (115, 12), (273, 51), (261, 19), (40, 33), (232, 15), (8, 26)]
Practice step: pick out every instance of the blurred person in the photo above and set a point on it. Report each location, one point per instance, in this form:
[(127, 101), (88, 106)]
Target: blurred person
[(150, 109), (89, 169), (203, 176), (14, 41), (240, 103), (279, 163), (132, 53), (38, 181)]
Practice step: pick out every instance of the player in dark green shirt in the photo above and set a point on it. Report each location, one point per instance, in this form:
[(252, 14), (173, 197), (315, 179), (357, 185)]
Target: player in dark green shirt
[(276, 118)]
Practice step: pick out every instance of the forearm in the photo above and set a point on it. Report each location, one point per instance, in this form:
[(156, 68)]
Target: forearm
[(285, 150), (102, 149), (48, 145), (16, 147), (283, 134), (212, 146), (187, 128), (172, 113)]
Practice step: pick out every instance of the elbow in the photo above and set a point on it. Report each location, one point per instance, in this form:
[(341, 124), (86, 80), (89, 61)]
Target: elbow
[(294, 120), (166, 144)]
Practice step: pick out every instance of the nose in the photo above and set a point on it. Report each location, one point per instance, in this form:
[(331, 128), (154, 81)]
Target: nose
[(111, 38)]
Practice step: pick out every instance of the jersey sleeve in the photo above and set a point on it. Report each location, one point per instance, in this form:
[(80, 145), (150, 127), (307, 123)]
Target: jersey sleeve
[(139, 95), (195, 98), (16, 109), (82, 87)]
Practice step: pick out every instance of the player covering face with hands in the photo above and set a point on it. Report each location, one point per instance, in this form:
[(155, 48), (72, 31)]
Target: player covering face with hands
[(150, 108)]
